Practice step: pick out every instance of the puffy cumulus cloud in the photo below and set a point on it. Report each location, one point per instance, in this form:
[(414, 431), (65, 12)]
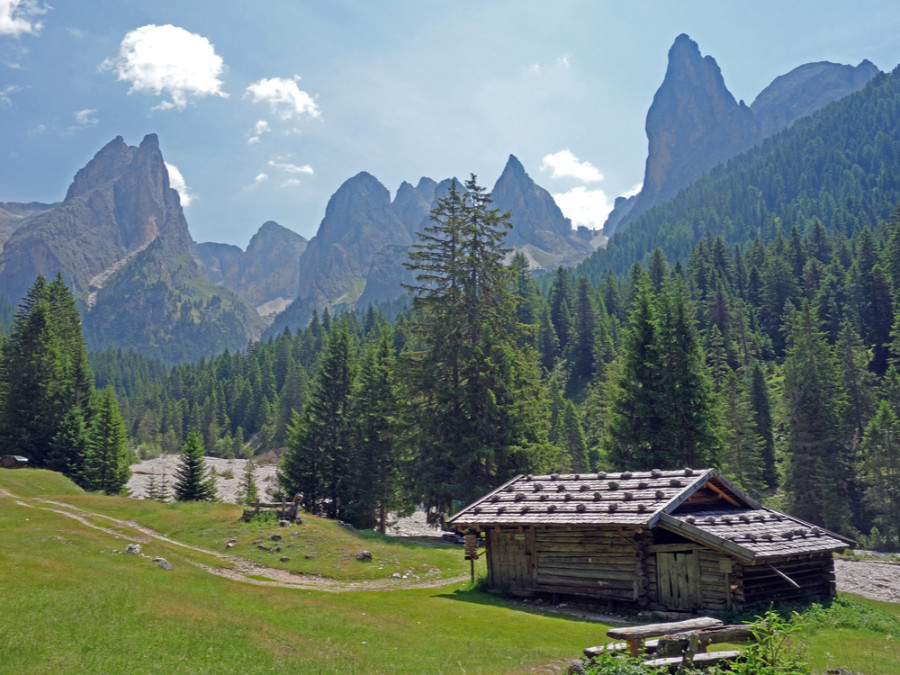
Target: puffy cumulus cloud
[(169, 61), (286, 100), (176, 181), (565, 164), (291, 168), (585, 207), (261, 127), (86, 117), (18, 17)]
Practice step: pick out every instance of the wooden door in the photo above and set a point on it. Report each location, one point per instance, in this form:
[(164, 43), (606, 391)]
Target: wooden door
[(679, 579), (510, 561)]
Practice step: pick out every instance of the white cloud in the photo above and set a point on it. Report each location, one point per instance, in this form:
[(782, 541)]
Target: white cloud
[(261, 127), (6, 91), (285, 98), (291, 168), (169, 61), (176, 181), (86, 117), (585, 207), (291, 182), (19, 16), (259, 180), (635, 190), (566, 165)]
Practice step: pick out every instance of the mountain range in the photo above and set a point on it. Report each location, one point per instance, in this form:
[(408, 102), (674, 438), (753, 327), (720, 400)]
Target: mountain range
[(121, 241)]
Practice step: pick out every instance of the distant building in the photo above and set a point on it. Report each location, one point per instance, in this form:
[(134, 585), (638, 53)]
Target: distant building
[(686, 540), (13, 462)]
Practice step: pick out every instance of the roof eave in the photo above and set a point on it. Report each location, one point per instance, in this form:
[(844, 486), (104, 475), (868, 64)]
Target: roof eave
[(702, 537)]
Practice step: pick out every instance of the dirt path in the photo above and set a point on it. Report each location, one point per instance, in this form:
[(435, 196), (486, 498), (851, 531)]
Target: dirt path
[(242, 570)]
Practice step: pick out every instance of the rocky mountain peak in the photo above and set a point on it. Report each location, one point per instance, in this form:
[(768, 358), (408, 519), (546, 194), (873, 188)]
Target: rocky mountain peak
[(694, 122)]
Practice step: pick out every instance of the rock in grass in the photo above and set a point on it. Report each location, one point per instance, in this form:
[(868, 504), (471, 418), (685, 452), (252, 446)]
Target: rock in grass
[(364, 555), (165, 564), (284, 558), (133, 549), (283, 523)]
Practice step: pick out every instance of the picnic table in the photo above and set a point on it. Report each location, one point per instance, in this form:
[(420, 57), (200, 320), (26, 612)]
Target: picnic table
[(634, 636)]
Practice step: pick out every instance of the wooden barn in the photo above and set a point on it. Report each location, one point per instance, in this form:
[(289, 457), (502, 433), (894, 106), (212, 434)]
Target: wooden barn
[(683, 541)]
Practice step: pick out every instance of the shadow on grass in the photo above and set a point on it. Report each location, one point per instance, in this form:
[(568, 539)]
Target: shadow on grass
[(484, 598)]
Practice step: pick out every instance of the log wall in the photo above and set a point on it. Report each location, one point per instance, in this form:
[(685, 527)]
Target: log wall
[(813, 574)]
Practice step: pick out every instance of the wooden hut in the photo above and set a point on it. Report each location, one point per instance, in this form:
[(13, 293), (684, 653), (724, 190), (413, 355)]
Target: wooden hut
[(686, 540), (13, 462)]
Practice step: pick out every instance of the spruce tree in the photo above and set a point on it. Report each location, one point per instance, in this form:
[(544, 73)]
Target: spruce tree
[(477, 400), (880, 472), (379, 455), (106, 465), (818, 470), (248, 492), (193, 481), (318, 461)]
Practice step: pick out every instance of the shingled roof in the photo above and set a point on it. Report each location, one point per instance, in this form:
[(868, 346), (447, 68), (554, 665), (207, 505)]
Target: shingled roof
[(649, 498)]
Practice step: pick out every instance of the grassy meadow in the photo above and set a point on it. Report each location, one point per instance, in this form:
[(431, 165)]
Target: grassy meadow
[(72, 602)]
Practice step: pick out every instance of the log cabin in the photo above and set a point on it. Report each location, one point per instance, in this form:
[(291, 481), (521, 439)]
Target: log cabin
[(676, 541)]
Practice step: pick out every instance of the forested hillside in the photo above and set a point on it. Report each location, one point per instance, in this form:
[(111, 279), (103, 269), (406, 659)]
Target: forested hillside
[(839, 166)]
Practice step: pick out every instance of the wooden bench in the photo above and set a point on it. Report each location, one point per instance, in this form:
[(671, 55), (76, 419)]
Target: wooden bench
[(634, 636)]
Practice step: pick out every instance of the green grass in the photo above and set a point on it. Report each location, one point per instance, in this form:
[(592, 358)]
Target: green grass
[(318, 546), (71, 604)]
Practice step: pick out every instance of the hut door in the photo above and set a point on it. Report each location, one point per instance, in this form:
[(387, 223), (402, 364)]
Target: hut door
[(679, 579), (510, 561)]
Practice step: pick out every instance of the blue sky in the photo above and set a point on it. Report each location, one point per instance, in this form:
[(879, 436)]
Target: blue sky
[(266, 107)]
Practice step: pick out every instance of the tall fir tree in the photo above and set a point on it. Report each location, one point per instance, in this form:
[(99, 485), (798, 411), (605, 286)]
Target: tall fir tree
[(479, 406), (318, 462), (880, 473), (818, 470)]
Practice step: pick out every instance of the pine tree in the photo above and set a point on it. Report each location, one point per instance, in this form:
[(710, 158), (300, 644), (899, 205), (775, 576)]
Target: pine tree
[(44, 376), (379, 458), (318, 461), (193, 481), (248, 492), (762, 423), (880, 472), (478, 404), (106, 465), (818, 471)]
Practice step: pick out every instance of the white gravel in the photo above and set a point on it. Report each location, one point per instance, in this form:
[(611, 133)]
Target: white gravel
[(228, 474)]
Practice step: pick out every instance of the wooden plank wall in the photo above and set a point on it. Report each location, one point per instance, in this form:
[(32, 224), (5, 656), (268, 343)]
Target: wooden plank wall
[(814, 575), (601, 563)]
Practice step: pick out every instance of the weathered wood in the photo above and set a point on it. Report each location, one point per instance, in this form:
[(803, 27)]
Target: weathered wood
[(706, 659), (660, 629), (593, 652)]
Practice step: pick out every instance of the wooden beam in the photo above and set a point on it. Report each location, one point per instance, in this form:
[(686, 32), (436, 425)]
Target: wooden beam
[(724, 495), (784, 576), (712, 541)]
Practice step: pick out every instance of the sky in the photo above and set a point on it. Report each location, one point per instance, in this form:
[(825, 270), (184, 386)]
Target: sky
[(263, 109)]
